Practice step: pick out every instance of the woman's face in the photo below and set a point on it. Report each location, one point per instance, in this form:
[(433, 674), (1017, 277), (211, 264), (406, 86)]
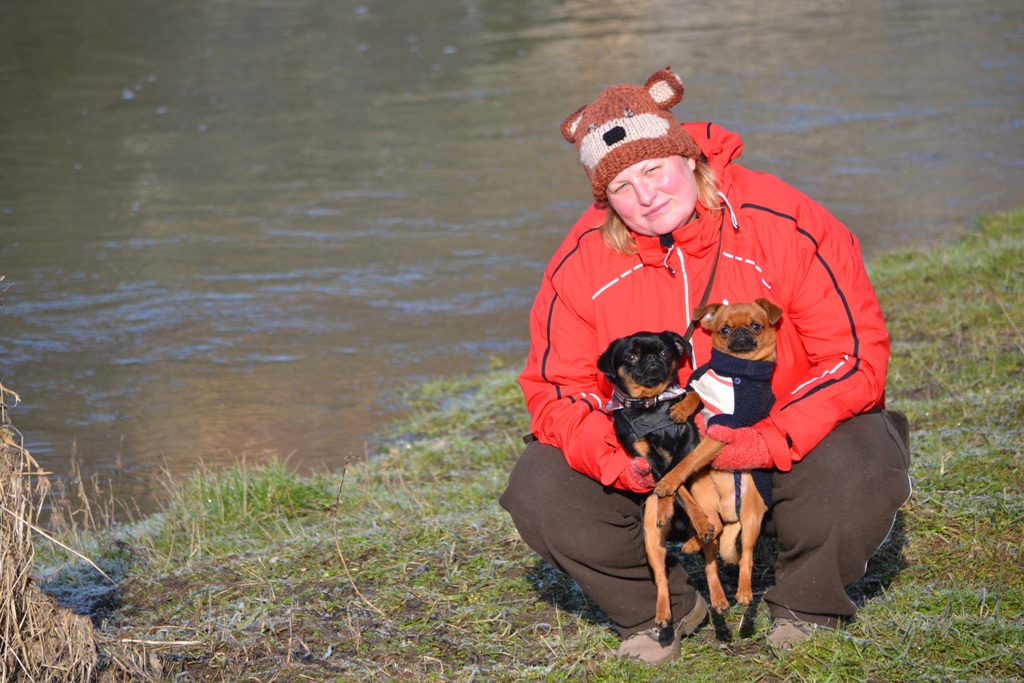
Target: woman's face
[(655, 196)]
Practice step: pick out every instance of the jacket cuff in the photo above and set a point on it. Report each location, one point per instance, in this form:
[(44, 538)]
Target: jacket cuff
[(597, 453), (613, 465), (778, 444)]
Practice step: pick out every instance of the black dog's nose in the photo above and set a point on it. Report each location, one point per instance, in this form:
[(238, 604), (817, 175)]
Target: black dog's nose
[(614, 135), (651, 362)]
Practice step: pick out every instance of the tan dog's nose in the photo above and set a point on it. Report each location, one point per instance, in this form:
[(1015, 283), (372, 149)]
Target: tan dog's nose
[(742, 340)]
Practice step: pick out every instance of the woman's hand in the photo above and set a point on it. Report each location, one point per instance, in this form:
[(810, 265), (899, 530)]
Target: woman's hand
[(637, 476), (745, 448)]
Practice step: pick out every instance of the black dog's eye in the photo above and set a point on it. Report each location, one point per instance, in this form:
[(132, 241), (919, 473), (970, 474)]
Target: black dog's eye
[(665, 354), (632, 358), (725, 331), (755, 327)]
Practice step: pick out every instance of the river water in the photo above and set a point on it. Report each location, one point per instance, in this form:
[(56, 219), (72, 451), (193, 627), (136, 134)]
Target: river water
[(233, 228)]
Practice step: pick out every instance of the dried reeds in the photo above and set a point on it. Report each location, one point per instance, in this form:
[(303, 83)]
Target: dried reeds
[(39, 640)]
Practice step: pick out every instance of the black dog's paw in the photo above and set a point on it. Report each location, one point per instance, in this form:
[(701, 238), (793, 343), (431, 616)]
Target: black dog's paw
[(666, 512), (666, 634)]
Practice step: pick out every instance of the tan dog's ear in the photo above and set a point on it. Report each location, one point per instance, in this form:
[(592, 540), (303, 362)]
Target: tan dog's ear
[(773, 311), (706, 315)]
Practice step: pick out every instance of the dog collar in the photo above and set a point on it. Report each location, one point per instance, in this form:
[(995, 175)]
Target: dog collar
[(621, 400)]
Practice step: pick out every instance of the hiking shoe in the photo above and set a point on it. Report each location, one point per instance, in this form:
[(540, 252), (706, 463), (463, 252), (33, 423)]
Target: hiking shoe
[(646, 646), (786, 632)]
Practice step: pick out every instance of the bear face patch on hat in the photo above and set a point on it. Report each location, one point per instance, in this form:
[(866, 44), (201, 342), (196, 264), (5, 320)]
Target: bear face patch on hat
[(627, 124)]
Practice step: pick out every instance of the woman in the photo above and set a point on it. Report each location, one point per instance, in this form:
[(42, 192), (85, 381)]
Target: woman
[(676, 223)]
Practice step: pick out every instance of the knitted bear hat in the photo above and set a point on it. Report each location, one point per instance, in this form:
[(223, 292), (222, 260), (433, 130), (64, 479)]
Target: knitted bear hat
[(627, 124)]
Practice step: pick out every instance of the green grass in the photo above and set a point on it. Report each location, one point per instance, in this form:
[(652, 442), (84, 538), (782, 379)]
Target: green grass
[(405, 568)]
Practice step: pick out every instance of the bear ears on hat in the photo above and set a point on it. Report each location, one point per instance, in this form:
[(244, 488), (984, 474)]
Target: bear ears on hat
[(663, 87)]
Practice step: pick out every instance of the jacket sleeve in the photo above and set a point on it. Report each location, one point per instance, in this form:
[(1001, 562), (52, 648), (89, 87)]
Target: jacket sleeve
[(839, 323), (561, 383)]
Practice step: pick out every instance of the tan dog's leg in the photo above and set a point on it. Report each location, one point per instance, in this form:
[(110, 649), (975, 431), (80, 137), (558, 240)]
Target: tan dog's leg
[(672, 484), (702, 524), (684, 409), (706, 494), (752, 511), (655, 536), (725, 483), (696, 460)]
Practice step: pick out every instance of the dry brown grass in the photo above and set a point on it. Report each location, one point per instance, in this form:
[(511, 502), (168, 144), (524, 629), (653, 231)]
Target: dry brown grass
[(39, 641)]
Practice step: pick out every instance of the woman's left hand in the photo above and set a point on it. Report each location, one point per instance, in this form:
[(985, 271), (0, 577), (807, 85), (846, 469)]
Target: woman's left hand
[(745, 448)]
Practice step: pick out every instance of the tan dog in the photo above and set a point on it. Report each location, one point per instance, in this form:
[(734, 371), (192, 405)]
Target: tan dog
[(742, 331)]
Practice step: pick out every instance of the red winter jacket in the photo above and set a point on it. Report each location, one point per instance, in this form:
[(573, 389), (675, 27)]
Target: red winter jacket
[(833, 348)]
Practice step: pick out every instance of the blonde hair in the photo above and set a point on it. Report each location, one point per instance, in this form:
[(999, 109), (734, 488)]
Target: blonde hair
[(620, 238)]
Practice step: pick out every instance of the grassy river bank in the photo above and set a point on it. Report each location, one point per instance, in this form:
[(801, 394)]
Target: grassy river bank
[(403, 567)]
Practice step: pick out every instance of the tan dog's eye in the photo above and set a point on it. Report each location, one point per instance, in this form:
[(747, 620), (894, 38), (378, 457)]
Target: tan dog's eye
[(725, 331), (756, 327)]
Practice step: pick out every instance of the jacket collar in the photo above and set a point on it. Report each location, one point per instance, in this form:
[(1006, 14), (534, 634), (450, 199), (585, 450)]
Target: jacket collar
[(696, 239)]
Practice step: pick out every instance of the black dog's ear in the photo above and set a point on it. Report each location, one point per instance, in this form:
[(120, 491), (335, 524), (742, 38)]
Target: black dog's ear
[(676, 341), (606, 361)]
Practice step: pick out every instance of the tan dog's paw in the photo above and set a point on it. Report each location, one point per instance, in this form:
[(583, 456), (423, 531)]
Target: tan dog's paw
[(704, 529), (665, 489), (685, 408)]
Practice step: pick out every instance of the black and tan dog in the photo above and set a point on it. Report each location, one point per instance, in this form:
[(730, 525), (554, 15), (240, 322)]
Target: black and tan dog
[(653, 418), (643, 368)]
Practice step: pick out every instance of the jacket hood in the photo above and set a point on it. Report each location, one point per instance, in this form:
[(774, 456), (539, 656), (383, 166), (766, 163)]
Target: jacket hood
[(720, 146)]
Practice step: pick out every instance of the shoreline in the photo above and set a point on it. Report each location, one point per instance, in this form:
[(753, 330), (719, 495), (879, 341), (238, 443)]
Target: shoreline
[(403, 566)]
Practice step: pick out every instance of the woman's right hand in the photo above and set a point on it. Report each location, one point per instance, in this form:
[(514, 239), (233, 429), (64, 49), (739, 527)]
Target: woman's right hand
[(637, 476)]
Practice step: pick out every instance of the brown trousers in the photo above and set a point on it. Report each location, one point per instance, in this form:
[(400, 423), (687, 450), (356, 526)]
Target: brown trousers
[(831, 513)]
